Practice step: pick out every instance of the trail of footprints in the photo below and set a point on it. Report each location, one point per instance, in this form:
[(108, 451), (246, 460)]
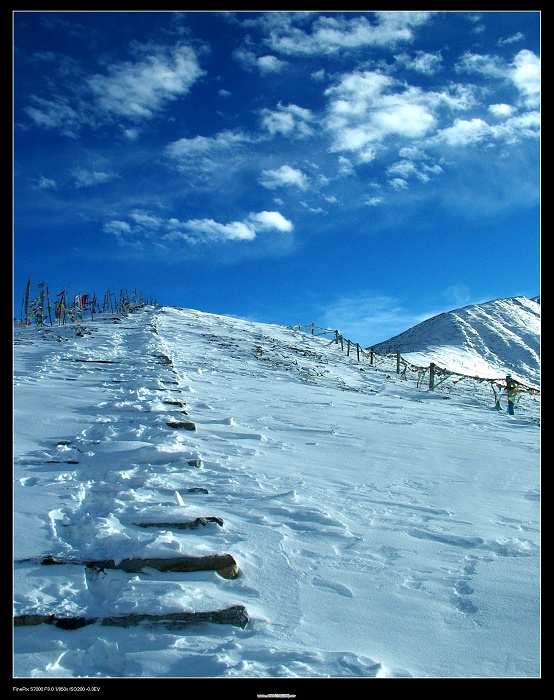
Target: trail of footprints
[(150, 444)]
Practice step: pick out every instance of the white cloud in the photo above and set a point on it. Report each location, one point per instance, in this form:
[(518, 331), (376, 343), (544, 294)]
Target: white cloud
[(234, 231), (147, 221), (289, 121), (403, 168), (270, 64), (398, 183), (203, 145), (91, 178), (518, 36), (366, 108), (54, 114), (464, 132), (265, 220), (526, 75), (501, 110), (137, 90), (345, 166), (265, 64), (46, 183), (161, 231), (131, 134), (423, 62), (373, 201), (121, 231), (524, 72), (491, 66), (134, 90), (337, 33), (284, 176)]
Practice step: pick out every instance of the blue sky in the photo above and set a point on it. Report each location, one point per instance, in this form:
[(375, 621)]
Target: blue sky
[(360, 171)]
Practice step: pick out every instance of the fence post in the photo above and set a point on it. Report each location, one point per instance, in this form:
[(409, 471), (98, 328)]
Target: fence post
[(312, 327), (431, 376), (358, 351), (397, 363), (341, 343), (348, 348), (371, 356)]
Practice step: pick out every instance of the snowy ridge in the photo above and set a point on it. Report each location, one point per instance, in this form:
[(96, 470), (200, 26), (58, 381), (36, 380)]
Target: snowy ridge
[(487, 340)]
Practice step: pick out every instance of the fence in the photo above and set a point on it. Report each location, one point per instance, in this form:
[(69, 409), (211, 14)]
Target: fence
[(43, 310), (436, 375)]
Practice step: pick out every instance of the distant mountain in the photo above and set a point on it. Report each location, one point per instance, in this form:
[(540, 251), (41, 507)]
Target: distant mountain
[(487, 340)]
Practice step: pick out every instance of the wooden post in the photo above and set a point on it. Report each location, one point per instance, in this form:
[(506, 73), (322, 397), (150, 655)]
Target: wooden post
[(25, 305), (431, 376), (341, 343), (358, 351), (348, 348), (371, 356), (397, 363)]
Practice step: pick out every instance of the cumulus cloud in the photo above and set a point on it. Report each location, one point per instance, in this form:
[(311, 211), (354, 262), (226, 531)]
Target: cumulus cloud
[(285, 176), (266, 220), (464, 132), (523, 72), (405, 169), (270, 64), (290, 121), (526, 75), (398, 183), (501, 110), (365, 108)]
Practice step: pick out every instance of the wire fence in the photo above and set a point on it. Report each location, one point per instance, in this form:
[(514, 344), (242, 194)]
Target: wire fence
[(431, 375)]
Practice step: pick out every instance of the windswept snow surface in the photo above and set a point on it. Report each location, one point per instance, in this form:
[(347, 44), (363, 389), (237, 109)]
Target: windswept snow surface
[(380, 530), (485, 340)]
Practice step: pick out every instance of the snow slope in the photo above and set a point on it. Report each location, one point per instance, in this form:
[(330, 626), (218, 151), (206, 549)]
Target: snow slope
[(380, 530)]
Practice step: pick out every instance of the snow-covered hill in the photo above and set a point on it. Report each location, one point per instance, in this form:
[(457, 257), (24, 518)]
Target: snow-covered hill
[(237, 500), (487, 340)]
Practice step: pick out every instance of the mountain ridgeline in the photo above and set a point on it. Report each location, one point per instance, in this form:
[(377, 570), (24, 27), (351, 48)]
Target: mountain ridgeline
[(488, 340)]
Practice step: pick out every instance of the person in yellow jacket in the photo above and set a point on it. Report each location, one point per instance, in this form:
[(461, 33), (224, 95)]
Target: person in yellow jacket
[(511, 391)]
